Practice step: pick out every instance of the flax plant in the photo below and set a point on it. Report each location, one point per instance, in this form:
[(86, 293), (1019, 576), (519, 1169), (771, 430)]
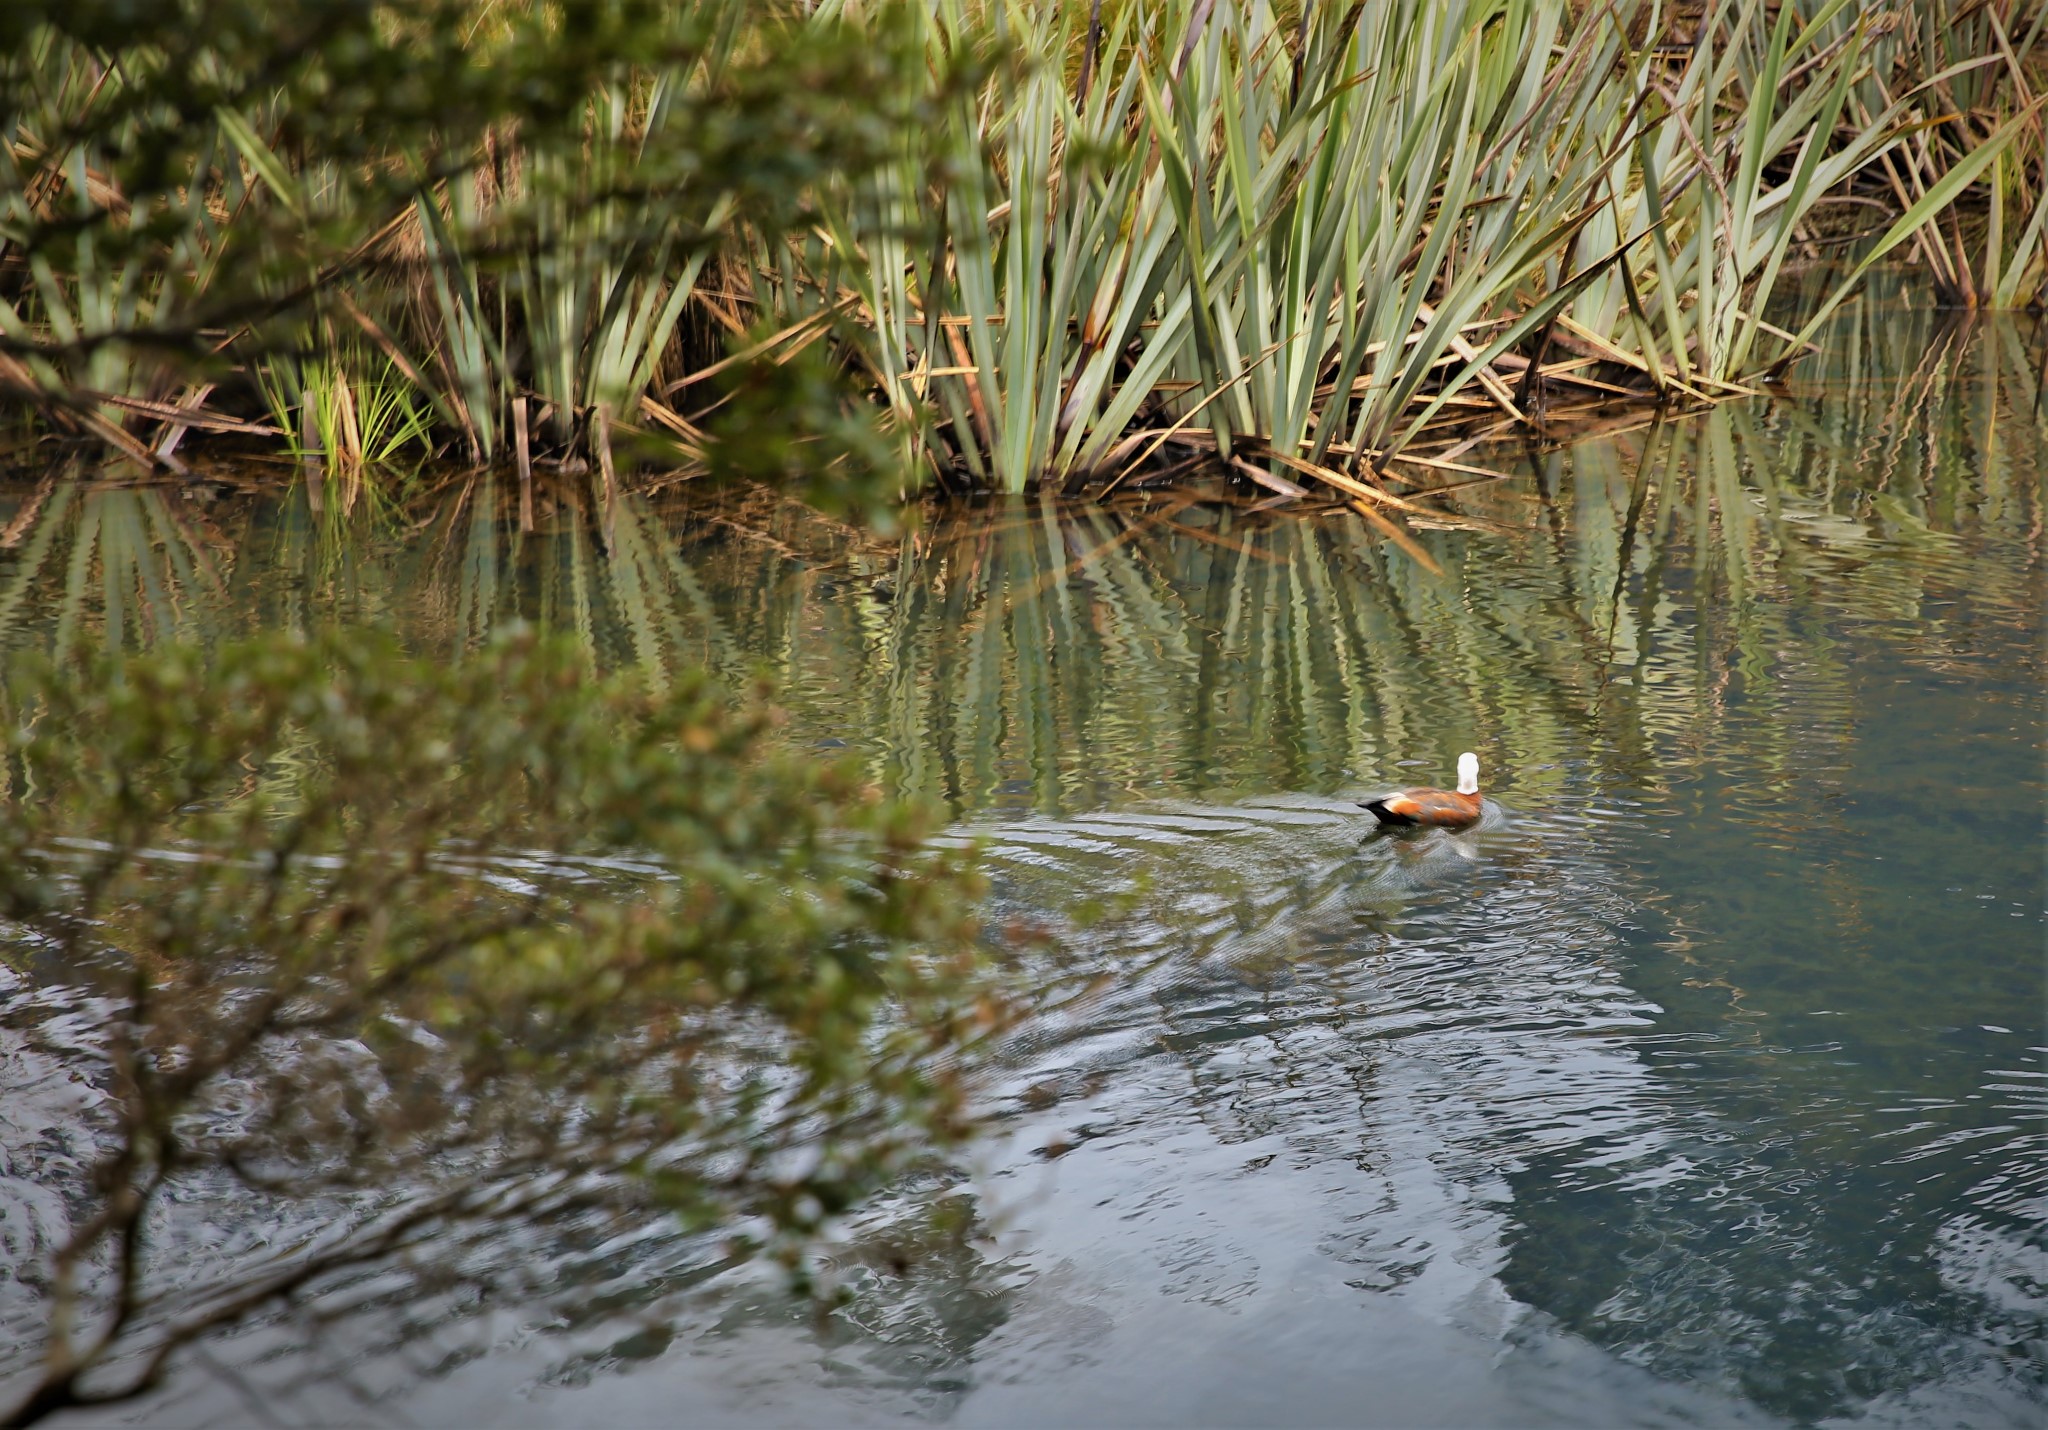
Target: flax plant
[(1294, 242), (1973, 70)]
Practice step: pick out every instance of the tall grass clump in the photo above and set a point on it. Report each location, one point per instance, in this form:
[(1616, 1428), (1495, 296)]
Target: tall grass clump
[(1976, 75), (1298, 243)]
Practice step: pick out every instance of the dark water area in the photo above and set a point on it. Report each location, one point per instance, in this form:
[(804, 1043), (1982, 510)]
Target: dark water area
[(1701, 1083)]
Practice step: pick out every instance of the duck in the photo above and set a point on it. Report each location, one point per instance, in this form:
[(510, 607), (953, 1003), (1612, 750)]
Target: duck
[(1451, 809)]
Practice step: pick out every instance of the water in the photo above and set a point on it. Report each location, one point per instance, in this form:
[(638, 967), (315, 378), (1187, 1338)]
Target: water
[(1700, 1084)]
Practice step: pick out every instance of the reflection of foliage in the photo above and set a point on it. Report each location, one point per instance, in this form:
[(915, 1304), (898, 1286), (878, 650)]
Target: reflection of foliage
[(1057, 654), (488, 934)]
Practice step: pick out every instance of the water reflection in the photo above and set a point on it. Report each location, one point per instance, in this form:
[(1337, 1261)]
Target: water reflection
[(1717, 1048), (1061, 657)]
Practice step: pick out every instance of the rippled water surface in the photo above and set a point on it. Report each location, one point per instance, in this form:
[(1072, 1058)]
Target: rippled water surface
[(1700, 1084)]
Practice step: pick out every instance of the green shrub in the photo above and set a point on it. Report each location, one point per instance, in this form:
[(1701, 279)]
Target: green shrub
[(462, 944)]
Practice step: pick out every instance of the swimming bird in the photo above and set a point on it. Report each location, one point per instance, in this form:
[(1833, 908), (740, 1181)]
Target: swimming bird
[(1452, 808)]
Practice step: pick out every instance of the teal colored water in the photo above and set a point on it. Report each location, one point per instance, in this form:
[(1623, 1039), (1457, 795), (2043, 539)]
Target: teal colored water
[(1702, 1083)]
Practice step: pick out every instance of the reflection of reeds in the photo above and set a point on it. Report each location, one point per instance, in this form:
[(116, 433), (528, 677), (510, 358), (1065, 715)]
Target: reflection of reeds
[(125, 565), (1059, 656)]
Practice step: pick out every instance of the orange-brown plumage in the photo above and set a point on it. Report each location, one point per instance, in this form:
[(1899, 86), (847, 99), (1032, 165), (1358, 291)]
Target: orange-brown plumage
[(1442, 807)]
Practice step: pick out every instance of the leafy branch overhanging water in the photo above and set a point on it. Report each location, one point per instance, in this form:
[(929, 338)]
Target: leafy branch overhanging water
[(429, 948)]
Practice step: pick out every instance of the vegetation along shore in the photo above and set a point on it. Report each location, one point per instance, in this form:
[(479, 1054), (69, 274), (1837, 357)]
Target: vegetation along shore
[(1000, 245)]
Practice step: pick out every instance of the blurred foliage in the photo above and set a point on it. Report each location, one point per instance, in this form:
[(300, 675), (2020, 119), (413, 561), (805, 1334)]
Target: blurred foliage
[(466, 944), (486, 198), (753, 438)]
